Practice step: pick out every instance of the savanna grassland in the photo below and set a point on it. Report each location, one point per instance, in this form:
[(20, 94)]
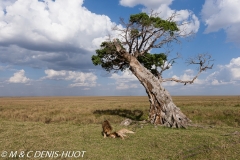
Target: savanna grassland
[(64, 124)]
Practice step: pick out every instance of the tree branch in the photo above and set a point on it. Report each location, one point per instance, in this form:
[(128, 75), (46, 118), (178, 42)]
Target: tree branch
[(203, 60), (117, 45), (168, 64)]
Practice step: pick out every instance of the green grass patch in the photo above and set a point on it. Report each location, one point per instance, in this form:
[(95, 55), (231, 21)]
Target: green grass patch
[(69, 124)]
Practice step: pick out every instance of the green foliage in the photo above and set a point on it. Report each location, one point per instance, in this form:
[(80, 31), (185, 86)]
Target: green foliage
[(153, 61), (134, 33), (108, 58), (145, 20)]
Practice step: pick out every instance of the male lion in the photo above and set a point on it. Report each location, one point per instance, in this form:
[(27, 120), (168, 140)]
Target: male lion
[(107, 129)]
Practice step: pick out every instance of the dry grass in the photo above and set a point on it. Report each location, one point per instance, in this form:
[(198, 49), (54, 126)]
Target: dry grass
[(66, 109), (68, 124), (215, 110), (212, 110)]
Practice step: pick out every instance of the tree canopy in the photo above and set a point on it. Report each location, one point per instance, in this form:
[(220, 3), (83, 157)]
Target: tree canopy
[(137, 37), (142, 33)]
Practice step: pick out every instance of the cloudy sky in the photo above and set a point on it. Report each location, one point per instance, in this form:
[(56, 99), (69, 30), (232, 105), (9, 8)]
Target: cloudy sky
[(46, 46)]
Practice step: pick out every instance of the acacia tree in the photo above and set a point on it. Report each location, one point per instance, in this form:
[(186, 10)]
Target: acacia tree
[(131, 49)]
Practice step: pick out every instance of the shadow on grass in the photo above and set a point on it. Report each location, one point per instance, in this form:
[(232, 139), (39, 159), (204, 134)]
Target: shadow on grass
[(134, 115)]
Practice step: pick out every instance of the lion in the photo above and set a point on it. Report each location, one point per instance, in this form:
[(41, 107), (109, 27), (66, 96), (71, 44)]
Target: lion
[(121, 133), (107, 131), (107, 128)]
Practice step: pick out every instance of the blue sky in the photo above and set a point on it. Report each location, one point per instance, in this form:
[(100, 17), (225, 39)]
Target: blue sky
[(46, 46)]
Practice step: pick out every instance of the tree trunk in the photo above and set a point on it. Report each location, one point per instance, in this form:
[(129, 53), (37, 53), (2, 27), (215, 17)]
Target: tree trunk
[(162, 109)]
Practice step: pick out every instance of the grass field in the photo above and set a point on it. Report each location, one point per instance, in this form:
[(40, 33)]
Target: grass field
[(69, 125)]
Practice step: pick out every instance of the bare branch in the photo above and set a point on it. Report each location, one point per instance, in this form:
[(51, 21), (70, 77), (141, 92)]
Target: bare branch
[(117, 45), (204, 62), (168, 64)]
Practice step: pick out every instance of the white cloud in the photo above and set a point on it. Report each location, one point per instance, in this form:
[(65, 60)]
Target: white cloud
[(149, 3), (222, 14), (234, 67), (235, 73), (79, 79), (122, 86), (189, 71), (2, 68), (125, 76), (125, 80), (3, 4), (51, 34), (226, 74), (216, 82), (162, 7), (58, 23), (19, 77)]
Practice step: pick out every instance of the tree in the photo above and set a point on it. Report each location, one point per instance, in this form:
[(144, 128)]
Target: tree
[(137, 37)]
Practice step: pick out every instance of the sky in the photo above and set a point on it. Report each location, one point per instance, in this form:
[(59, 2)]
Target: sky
[(46, 46)]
